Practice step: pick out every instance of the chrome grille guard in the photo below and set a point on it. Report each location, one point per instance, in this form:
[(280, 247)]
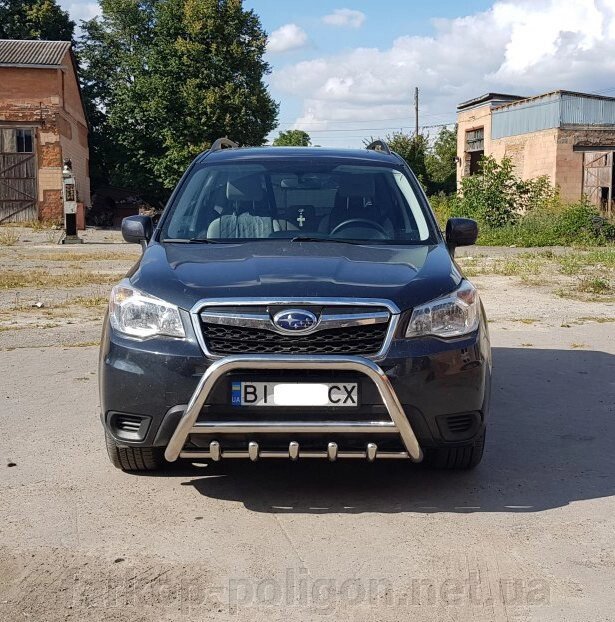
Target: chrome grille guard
[(188, 422)]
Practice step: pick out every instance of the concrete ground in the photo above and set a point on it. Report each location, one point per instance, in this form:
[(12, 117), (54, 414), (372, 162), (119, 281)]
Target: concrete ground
[(528, 535)]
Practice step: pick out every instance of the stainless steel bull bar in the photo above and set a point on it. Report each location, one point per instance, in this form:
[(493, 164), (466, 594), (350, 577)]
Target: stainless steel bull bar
[(188, 423)]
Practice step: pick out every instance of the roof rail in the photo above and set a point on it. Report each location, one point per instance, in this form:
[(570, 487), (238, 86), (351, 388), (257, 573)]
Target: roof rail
[(379, 145), (223, 143)]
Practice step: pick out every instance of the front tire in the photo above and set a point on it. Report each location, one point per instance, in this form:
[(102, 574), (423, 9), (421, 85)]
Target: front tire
[(463, 457), (133, 459)]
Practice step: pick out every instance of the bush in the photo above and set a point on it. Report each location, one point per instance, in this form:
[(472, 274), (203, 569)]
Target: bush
[(578, 224), (512, 211), (444, 206), (491, 197)]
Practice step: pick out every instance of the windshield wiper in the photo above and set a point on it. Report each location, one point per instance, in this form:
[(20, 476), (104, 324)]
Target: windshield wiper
[(307, 238), (192, 241)]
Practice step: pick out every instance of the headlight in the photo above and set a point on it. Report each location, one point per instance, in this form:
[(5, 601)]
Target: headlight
[(140, 315), (452, 315)]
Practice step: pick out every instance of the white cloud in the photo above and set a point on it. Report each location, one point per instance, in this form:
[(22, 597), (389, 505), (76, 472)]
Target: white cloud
[(523, 47), (81, 10), (287, 37), (345, 17)]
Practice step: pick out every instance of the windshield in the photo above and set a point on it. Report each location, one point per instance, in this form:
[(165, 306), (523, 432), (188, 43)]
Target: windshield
[(305, 198)]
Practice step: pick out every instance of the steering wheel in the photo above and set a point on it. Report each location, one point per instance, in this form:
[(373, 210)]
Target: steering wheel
[(360, 221)]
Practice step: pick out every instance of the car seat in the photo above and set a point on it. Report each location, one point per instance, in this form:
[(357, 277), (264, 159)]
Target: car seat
[(239, 219)]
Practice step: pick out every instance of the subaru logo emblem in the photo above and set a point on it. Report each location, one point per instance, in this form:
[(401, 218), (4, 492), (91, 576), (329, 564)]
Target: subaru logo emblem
[(295, 320)]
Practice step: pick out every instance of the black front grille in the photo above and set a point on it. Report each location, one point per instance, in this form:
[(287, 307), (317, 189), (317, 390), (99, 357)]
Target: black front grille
[(223, 340), (128, 423), (458, 424), (128, 426)]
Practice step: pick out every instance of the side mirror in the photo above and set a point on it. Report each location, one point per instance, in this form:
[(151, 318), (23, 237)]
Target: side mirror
[(460, 232), (137, 229)]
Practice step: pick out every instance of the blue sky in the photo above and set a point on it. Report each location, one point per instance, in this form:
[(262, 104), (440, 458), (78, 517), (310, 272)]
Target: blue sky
[(378, 30), (344, 71)]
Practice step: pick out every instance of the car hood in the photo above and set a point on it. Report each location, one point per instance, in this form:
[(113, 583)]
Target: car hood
[(184, 274)]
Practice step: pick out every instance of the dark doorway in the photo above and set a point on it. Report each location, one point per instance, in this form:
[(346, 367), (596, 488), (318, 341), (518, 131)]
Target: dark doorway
[(474, 158)]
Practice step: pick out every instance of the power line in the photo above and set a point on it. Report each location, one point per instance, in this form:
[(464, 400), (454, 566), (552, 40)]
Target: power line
[(424, 114), (380, 129)]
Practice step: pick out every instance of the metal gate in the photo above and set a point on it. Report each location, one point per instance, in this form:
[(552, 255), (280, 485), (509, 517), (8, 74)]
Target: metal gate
[(598, 178), (18, 200)]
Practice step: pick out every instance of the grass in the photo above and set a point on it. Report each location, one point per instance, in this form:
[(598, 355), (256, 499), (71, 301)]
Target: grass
[(91, 302), (584, 274), (64, 346), (37, 225), (86, 256), (548, 223), (16, 279), (594, 285), (573, 263), (525, 266), (87, 302), (8, 237)]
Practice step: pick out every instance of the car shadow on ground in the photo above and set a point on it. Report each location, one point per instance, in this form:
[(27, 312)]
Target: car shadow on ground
[(549, 443)]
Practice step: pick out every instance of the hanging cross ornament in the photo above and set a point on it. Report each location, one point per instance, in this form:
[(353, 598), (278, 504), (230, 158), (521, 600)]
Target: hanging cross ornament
[(301, 218)]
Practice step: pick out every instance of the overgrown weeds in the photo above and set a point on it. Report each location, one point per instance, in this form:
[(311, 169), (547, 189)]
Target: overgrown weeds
[(8, 237), (16, 279), (581, 274), (515, 212)]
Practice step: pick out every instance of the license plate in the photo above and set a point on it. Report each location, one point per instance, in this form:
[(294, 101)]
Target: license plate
[(342, 394)]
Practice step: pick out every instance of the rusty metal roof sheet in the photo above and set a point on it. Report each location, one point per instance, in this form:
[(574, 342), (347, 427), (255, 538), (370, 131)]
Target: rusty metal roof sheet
[(29, 53)]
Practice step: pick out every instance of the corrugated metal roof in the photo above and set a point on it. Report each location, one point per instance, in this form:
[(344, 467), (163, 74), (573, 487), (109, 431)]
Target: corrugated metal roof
[(578, 109), (41, 53), (529, 115), (558, 93), (555, 109)]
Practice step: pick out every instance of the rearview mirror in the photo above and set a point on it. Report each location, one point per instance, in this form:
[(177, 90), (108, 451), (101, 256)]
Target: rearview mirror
[(460, 232), (137, 229)]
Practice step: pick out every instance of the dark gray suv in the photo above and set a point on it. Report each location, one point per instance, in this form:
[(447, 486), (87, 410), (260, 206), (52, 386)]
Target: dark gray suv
[(295, 303)]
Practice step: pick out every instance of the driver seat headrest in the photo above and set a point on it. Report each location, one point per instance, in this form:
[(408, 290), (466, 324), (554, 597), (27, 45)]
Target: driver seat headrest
[(246, 188), (354, 185)]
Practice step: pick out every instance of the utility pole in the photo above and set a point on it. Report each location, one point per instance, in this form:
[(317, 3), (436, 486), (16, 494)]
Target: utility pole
[(416, 110)]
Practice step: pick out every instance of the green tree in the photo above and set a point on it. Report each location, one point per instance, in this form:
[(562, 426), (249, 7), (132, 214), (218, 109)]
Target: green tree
[(413, 149), (492, 196), (165, 78), (293, 138), (35, 19), (440, 162)]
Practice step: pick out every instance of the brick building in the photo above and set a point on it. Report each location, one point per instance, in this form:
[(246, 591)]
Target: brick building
[(567, 136), (42, 122)]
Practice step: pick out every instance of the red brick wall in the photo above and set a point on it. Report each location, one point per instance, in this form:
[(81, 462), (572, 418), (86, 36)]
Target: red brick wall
[(48, 99), (52, 206), (21, 83)]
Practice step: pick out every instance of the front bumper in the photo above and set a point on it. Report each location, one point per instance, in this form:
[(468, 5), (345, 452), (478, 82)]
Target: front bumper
[(188, 425), (165, 383)]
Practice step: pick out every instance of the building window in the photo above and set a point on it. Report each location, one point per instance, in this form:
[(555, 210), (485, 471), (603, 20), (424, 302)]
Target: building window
[(16, 140), (475, 140), (475, 148), (24, 141)]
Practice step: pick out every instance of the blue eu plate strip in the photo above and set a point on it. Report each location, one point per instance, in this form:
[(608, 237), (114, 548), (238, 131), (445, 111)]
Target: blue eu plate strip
[(236, 393)]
